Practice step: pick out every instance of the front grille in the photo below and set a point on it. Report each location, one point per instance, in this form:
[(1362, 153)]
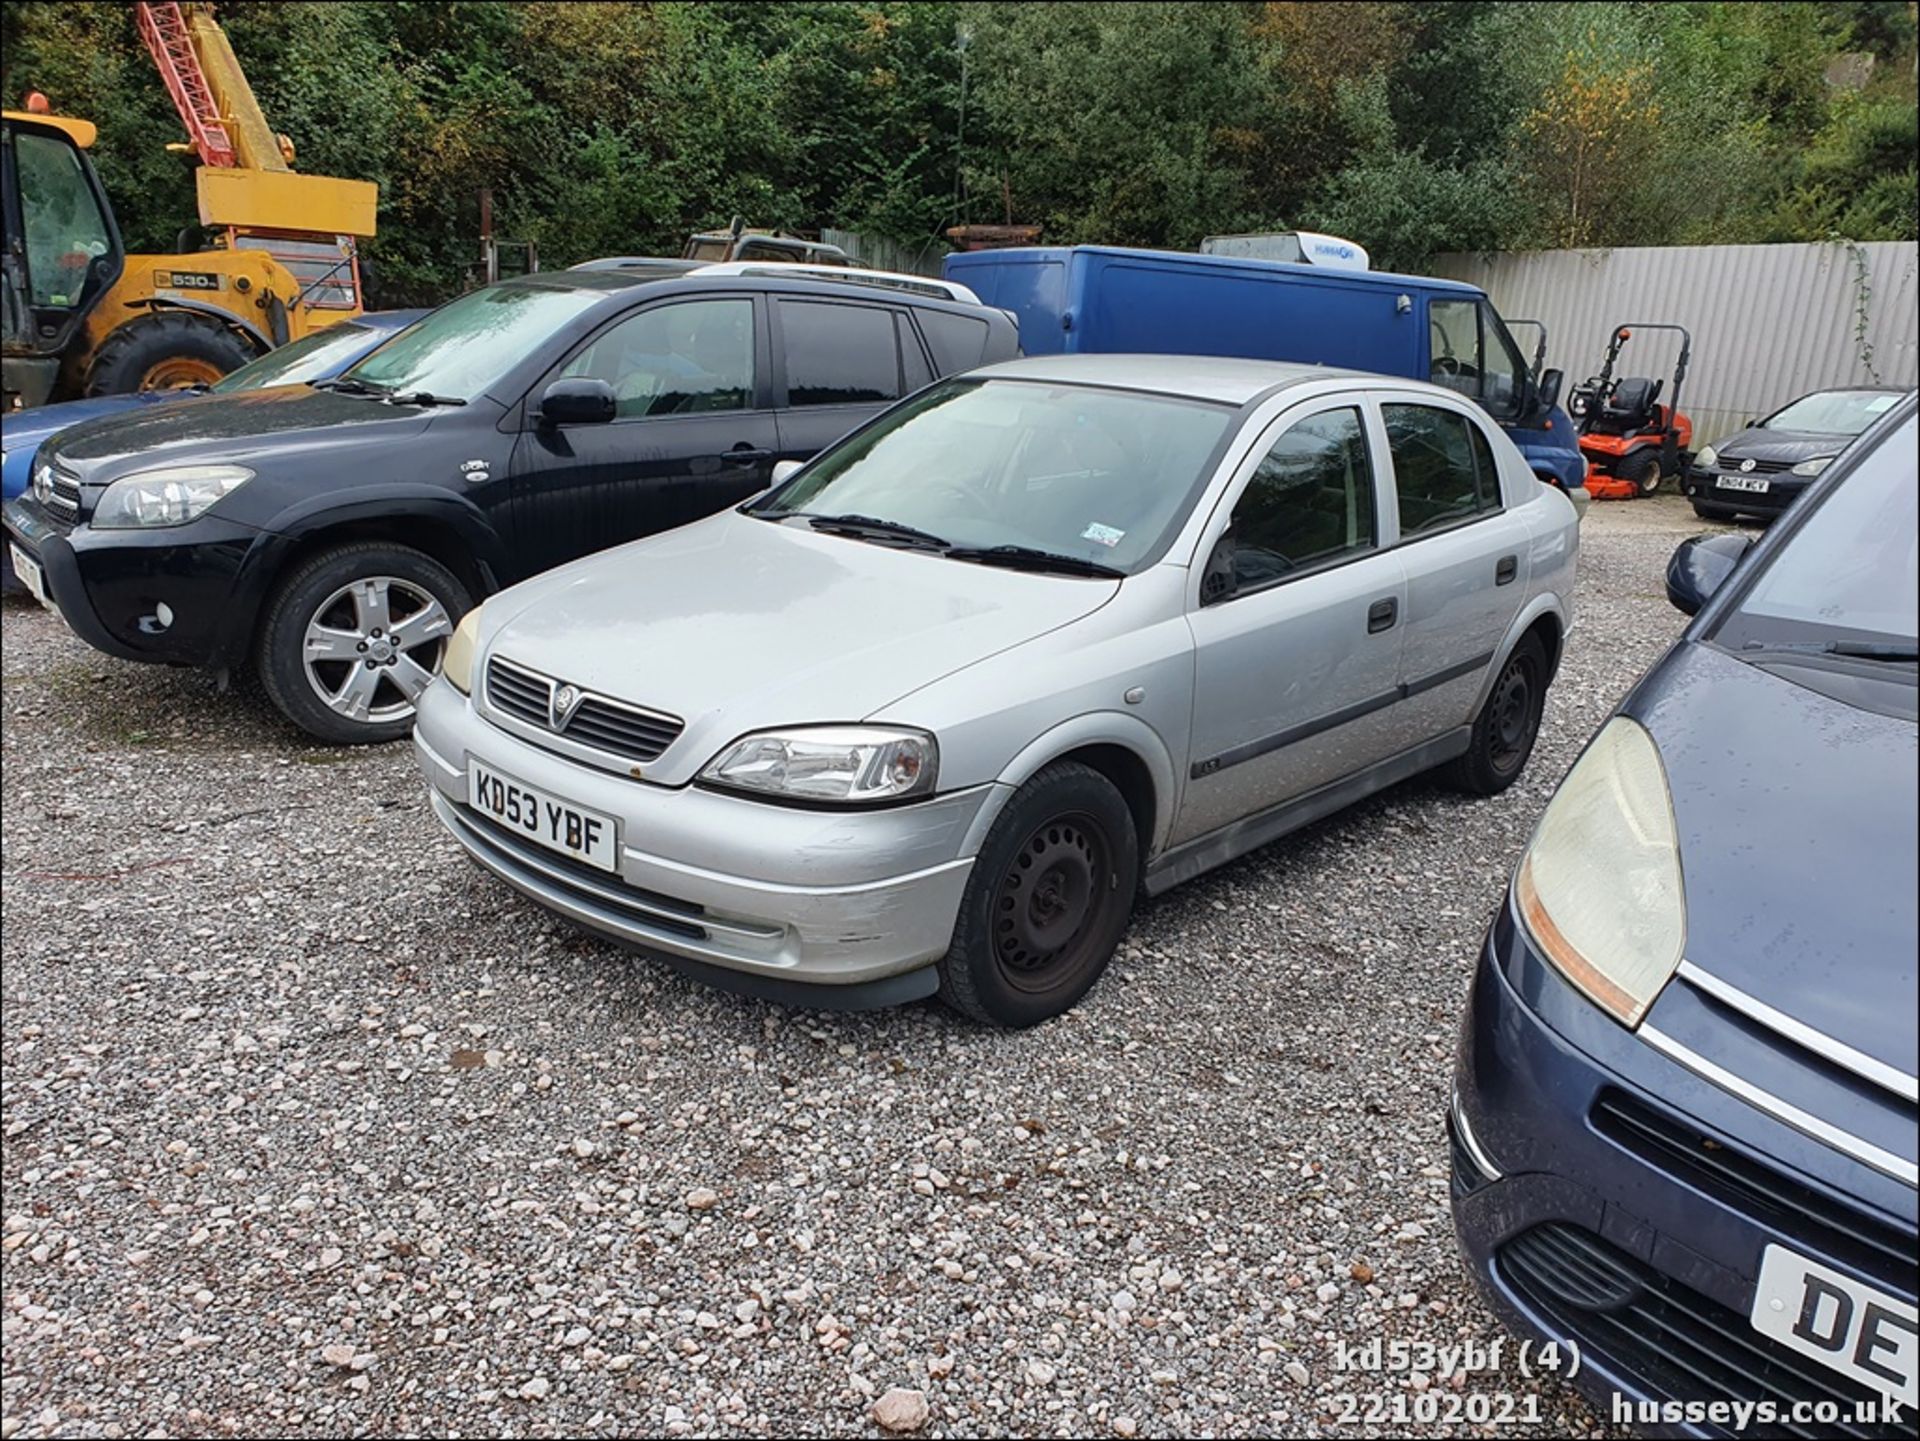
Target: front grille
[(604, 724), (649, 908), (1745, 1184), (1680, 1344), (62, 497), (1760, 467)]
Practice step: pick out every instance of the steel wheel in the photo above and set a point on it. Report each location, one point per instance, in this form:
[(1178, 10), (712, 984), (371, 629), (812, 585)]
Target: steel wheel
[(1047, 900), (179, 370), (1511, 711), (372, 646)]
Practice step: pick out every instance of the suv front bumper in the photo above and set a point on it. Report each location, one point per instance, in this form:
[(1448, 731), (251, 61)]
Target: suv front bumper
[(811, 906)]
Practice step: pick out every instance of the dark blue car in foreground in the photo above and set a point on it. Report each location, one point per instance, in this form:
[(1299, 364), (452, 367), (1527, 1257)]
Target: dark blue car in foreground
[(1684, 1120)]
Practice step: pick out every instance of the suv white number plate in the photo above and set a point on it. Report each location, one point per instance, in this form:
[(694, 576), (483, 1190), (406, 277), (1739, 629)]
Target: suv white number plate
[(1844, 1324), (543, 819), (1756, 483), (31, 576)]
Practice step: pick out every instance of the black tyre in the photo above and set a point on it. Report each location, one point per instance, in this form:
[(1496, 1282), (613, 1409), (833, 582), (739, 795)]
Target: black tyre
[(1048, 901), (353, 635), (1508, 724), (1641, 469), (164, 349)]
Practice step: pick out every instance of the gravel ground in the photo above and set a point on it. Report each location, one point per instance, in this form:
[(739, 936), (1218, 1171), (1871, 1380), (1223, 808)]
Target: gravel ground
[(312, 1128)]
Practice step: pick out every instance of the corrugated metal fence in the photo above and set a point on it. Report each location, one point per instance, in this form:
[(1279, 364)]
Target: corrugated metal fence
[(879, 253), (1769, 322)]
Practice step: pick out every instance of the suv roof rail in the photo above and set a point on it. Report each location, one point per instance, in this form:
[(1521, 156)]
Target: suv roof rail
[(847, 275)]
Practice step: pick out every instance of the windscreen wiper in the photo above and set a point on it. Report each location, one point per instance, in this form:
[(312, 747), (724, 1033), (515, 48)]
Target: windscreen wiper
[(872, 527), (1024, 557), (420, 397), (1896, 651), (348, 385)]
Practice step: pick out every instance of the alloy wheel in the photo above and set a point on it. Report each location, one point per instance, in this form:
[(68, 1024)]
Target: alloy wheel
[(373, 645)]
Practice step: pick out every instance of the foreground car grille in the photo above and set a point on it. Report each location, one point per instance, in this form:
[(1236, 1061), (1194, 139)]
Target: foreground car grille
[(60, 498), (604, 724), (648, 908), (1681, 1344), (1756, 1189)]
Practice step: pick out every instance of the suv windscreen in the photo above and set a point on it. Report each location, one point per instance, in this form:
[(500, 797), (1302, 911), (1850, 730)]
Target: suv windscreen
[(1103, 476), (1849, 580), (468, 344)]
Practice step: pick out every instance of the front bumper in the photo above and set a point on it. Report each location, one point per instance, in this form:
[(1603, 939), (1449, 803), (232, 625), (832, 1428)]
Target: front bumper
[(109, 586), (811, 906), (1783, 489), (1604, 1195)]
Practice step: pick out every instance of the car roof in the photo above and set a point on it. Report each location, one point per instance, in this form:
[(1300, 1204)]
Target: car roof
[(766, 276), (1194, 377)]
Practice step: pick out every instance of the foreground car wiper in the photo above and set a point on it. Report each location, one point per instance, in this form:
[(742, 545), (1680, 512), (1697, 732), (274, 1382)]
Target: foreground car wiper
[(1025, 557), (872, 526), (347, 385), (420, 397), (1895, 651)]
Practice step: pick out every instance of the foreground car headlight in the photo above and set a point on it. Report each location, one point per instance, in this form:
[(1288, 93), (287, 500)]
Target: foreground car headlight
[(850, 765), (456, 661), (1599, 888), (1814, 466), (173, 495), (1708, 458)]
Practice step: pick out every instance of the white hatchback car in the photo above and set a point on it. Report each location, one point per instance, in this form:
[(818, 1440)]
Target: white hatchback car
[(928, 714)]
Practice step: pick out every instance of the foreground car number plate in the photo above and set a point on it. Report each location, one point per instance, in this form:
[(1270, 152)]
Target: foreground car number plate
[(541, 818), (1756, 483), (1844, 1324), (31, 576)]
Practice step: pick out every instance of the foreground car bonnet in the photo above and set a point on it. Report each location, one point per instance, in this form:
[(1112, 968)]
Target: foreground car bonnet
[(735, 624), (1797, 843), (235, 426)]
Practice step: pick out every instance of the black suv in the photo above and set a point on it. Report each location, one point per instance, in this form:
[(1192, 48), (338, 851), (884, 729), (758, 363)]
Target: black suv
[(334, 534)]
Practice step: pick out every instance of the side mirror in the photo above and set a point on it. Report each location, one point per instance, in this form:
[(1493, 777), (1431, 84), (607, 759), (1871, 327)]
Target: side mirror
[(784, 470), (1700, 566), (1752, 425), (1548, 394), (1218, 581), (578, 401)]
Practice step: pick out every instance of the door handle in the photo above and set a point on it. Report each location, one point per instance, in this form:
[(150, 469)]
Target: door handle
[(1382, 614), (744, 455), (1506, 569)]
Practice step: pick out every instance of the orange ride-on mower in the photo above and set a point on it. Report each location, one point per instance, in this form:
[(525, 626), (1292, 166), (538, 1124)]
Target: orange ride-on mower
[(1630, 440)]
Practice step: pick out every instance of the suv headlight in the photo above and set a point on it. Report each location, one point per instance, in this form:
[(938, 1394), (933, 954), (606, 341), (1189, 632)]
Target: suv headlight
[(1814, 466), (172, 495), (1708, 458), (1599, 888), (456, 661), (845, 765)]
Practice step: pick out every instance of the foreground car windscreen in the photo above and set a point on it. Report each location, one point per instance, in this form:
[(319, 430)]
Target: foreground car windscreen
[(467, 344), (1832, 412), (1848, 584), (1101, 476)]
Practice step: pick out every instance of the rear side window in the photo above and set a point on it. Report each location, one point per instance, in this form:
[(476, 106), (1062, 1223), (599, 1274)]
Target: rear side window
[(959, 342), (1443, 469), (913, 361), (839, 354), (1310, 501)]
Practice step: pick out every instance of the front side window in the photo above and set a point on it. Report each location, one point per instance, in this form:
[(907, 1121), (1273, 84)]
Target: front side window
[(64, 228), (692, 358), (470, 343), (1453, 338), (1443, 468), (1097, 475), (839, 354), (1309, 501)]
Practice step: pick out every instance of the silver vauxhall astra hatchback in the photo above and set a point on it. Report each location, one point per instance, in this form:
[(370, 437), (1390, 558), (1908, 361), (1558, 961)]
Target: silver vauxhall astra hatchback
[(930, 713)]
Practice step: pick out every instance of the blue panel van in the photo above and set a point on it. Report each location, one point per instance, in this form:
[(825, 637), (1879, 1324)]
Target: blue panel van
[(1098, 299)]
